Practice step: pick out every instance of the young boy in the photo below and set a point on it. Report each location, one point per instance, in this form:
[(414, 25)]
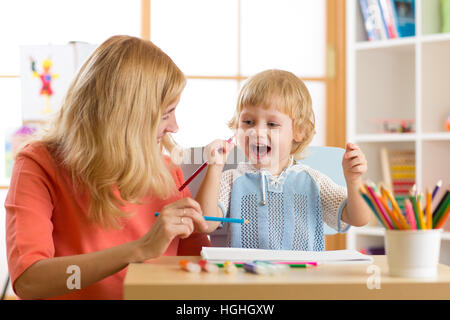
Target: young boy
[(286, 202)]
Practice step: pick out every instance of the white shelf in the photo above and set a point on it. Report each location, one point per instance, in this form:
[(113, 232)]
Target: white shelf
[(385, 44), (440, 37), (398, 137), (436, 136), (402, 42), (403, 78), (380, 232), (385, 137)]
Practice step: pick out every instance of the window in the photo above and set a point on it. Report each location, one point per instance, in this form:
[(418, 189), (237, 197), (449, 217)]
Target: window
[(219, 43)]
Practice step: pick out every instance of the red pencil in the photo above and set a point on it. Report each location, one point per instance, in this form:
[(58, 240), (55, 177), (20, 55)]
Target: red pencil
[(203, 166)]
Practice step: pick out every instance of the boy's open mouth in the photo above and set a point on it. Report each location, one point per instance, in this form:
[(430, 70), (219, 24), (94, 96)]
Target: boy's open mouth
[(260, 150)]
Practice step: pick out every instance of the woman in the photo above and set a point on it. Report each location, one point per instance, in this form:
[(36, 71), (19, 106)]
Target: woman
[(82, 198)]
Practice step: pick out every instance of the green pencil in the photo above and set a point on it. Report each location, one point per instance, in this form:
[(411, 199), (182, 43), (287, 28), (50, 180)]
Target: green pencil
[(416, 211), (441, 209)]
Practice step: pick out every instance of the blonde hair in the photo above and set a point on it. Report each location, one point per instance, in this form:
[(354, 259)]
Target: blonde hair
[(106, 131), (288, 94)]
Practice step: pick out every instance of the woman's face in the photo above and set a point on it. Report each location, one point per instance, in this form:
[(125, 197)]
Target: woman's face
[(168, 123)]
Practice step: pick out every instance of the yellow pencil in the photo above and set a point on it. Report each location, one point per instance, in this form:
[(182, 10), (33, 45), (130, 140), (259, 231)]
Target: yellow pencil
[(387, 196), (428, 210), (377, 209), (396, 208), (419, 208), (391, 214)]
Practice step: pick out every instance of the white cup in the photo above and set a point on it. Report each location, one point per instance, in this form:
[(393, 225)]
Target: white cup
[(413, 253)]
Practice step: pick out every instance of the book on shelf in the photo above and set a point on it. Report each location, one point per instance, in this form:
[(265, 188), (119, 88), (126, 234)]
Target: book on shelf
[(373, 20), (405, 17), (388, 19)]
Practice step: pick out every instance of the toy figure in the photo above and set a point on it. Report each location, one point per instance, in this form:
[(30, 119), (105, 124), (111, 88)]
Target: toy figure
[(46, 78)]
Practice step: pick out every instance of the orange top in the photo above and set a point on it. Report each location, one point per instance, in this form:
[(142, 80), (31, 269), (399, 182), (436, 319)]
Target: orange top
[(46, 218)]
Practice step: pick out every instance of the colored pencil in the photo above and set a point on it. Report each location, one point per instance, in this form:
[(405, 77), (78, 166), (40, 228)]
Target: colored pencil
[(301, 266), (200, 169), (420, 212), (380, 207), (289, 263), (428, 210), (441, 210), (435, 191), (439, 204), (443, 218), (413, 200), (371, 205), (395, 207), (377, 212), (374, 187), (203, 166), (436, 188), (227, 220), (410, 214), (294, 263), (390, 214)]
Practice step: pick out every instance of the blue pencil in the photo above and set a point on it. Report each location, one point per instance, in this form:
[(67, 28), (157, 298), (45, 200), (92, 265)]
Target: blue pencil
[(436, 188), (228, 220)]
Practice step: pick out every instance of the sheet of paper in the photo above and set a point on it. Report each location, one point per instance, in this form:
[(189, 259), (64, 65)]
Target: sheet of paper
[(219, 255)]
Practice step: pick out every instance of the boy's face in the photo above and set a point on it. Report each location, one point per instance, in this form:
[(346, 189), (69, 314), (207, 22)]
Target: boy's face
[(265, 135)]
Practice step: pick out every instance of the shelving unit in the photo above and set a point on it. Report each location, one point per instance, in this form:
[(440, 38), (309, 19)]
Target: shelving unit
[(404, 78)]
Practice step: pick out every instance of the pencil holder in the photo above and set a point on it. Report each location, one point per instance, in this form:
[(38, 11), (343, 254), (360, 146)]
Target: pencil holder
[(413, 253)]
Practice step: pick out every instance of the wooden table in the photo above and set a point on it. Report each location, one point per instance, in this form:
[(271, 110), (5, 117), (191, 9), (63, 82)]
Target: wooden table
[(162, 279)]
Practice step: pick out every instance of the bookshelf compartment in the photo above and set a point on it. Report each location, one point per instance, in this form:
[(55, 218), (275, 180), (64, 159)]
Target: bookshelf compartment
[(400, 78), (435, 156), (435, 92), (431, 17), (385, 87)]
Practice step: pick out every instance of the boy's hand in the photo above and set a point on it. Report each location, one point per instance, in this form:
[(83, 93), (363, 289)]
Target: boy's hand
[(217, 152), (354, 164)]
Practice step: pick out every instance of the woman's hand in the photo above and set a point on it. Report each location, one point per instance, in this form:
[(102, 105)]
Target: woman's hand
[(217, 152), (178, 219), (354, 164)]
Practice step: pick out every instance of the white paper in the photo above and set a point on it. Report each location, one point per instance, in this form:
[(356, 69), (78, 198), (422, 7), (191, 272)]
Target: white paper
[(219, 255)]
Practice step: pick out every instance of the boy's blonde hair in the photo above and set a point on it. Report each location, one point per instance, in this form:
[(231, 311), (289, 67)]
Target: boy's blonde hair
[(106, 131), (288, 94)]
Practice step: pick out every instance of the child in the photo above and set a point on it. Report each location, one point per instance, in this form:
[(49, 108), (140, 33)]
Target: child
[(286, 202)]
